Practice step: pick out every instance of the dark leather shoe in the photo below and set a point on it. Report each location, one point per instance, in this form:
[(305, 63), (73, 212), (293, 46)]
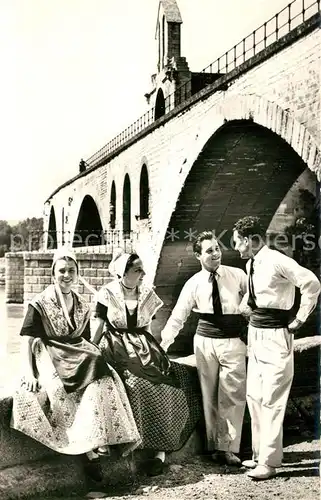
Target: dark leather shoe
[(154, 467), (226, 458), (231, 459)]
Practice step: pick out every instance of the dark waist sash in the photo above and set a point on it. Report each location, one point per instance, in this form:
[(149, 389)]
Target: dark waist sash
[(264, 317), (224, 326)]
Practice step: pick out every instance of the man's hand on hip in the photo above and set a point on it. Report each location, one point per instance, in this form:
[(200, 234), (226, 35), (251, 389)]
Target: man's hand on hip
[(295, 325)]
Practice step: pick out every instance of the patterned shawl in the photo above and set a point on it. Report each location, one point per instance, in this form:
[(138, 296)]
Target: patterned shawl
[(77, 361), (53, 317), (112, 297)]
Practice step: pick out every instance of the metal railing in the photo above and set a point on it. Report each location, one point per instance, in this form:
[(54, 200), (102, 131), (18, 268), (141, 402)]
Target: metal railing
[(290, 17)]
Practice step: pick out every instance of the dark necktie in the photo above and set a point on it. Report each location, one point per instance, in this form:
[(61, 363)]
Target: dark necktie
[(217, 306), (251, 300)]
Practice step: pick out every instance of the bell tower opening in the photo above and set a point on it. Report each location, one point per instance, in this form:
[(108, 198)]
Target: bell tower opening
[(160, 104)]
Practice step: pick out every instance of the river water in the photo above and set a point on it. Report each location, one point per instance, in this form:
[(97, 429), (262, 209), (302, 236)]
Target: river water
[(11, 317)]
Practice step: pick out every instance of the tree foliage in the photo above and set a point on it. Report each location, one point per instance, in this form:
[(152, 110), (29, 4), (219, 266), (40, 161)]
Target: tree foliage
[(25, 235), (5, 237)]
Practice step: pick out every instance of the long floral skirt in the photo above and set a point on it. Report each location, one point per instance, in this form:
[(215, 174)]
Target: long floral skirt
[(77, 422), (165, 415)]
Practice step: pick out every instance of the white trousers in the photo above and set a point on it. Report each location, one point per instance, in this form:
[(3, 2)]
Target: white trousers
[(269, 379), (222, 373)]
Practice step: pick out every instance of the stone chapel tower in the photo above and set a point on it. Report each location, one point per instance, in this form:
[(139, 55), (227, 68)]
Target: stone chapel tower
[(171, 83), (174, 82)]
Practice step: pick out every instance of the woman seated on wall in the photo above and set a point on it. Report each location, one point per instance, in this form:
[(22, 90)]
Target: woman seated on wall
[(69, 400), (164, 396)]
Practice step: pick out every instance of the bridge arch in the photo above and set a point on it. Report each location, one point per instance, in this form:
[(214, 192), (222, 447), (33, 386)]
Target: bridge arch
[(144, 193), (112, 206), (88, 229), (159, 104), (272, 116), (52, 230), (126, 206), (243, 168)]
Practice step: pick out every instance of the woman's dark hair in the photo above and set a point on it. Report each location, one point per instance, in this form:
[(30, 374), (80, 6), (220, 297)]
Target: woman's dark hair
[(205, 235), (131, 260)]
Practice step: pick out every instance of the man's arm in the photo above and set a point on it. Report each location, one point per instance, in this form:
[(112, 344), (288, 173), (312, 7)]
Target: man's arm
[(243, 283), (180, 313), (308, 284), (244, 308)]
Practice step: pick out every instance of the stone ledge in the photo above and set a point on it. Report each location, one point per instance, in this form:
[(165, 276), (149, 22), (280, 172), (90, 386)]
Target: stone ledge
[(306, 343), (300, 345), (47, 475), (59, 475)]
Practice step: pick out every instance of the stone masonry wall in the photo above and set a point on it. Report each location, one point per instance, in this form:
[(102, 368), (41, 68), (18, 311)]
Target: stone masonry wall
[(31, 272), (14, 277)]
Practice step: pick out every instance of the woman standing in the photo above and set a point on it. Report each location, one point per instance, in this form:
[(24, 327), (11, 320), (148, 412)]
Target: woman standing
[(69, 399), (164, 396)]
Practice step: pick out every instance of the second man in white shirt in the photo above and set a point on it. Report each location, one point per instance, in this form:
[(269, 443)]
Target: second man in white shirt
[(216, 293), (272, 281)]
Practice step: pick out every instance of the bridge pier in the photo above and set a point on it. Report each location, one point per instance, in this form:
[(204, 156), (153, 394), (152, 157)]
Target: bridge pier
[(14, 277)]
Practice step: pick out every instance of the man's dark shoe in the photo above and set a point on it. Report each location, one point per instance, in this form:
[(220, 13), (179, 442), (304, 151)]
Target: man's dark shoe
[(226, 458)]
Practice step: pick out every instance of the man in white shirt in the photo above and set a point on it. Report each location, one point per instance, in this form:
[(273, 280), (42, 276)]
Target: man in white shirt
[(272, 278), (216, 292)]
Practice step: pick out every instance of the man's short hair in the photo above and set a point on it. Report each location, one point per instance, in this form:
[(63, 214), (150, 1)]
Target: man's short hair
[(204, 235), (250, 226)]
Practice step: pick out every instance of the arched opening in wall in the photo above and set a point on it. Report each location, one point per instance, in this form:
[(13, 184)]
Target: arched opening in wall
[(160, 104), (112, 207), (52, 230), (126, 207), (144, 193), (88, 230), (243, 169)]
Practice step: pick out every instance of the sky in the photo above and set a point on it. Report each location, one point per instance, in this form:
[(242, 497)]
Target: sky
[(74, 74)]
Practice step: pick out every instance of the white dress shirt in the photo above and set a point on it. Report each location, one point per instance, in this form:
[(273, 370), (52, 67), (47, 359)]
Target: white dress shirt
[(275, 277), (196, 295)]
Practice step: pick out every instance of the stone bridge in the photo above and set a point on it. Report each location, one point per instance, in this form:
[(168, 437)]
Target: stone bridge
[(239, 138)]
